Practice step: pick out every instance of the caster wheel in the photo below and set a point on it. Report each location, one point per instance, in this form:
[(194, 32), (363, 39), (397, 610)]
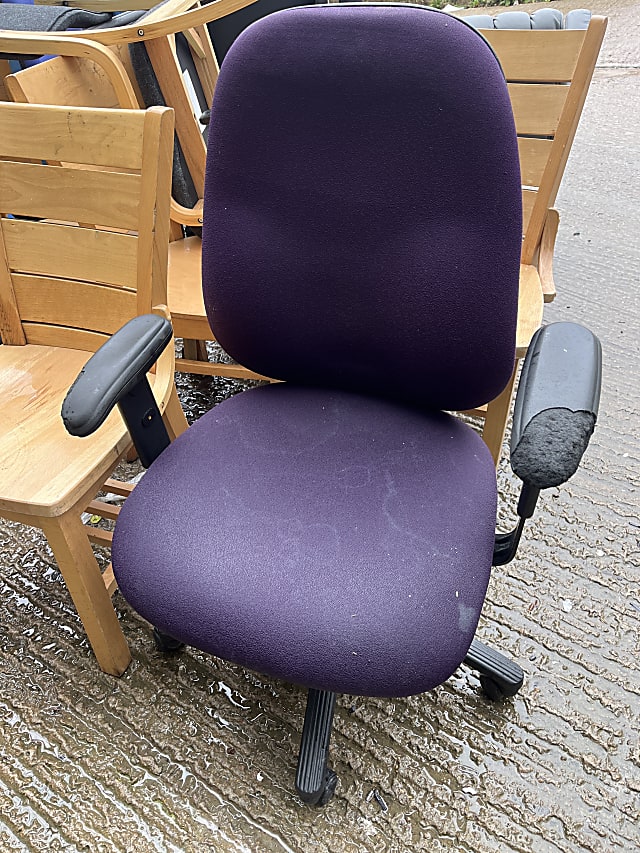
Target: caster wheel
[(491, 689), (329, 789), (165, 643)]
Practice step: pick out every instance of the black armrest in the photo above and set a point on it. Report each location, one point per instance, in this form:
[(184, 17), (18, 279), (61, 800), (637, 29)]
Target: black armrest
[(556, 404), (117, 375)]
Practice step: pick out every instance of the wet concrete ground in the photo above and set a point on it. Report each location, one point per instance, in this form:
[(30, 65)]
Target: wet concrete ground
[(189, 753)]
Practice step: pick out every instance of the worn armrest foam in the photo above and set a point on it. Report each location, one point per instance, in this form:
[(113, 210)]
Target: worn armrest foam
[(113, 371), (556, 405)]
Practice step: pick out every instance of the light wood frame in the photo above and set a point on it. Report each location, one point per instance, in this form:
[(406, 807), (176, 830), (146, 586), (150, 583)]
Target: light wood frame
[(548, 74), (84, 222), (93, 68)]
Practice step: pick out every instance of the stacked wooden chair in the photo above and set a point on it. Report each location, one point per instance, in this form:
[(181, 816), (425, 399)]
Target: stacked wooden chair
[(164, 57), (84, 223)]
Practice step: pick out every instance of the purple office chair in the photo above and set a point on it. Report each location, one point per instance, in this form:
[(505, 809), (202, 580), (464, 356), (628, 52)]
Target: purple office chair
[(361, 242)]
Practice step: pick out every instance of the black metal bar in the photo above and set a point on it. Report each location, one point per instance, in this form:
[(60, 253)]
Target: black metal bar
[(311, 776)]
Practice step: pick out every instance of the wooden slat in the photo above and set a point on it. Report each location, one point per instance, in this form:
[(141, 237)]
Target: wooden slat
[(104, 510), (209, 368), (80, 305), (11, 331), (98, 536), (71, 252), (207, 67), (537, 55), (118, 487), (534, 155), (109, 580), (537, 107), (71, 195), (63, 80), (60, 336), (101, 138)]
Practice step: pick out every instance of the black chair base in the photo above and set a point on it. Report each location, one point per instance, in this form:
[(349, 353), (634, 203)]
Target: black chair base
[(315, 782), (165, 643), (499, 676)]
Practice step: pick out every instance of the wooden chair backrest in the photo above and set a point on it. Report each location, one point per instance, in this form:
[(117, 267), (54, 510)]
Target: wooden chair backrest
[(548, 73), (108, 79), (84, 220)]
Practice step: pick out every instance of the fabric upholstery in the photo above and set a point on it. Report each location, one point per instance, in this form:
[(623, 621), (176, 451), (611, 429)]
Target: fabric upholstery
[(326, 538), (362, 236), (23, 17), (379, 198)]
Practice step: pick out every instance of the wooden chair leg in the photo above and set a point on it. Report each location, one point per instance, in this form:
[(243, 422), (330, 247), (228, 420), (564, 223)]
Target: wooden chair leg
[(495, 423), (195, 350), (68, 540)]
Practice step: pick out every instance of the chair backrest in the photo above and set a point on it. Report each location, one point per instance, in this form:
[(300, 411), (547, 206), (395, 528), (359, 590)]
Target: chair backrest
[(549, 72), (363, 207), (84, 221)]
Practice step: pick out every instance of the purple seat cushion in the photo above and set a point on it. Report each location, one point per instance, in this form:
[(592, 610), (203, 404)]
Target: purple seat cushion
[(363, 204), (322, 537)]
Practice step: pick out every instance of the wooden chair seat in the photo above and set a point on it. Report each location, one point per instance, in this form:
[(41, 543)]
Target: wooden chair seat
[(33, 440), (43, 468)]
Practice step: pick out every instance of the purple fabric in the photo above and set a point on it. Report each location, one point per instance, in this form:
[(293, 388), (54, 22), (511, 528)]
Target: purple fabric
[(326, 538), (363, 204)]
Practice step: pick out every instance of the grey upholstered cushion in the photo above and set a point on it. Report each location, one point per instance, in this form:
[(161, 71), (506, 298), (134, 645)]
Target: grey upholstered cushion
[(23, 18)]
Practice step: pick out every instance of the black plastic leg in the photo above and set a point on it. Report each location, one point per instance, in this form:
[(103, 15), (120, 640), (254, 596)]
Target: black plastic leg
[(166, 643), (499, 676), (315, 783)]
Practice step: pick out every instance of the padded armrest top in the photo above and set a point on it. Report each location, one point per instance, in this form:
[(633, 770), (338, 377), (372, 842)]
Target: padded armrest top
[(113, 371), (556, 405)]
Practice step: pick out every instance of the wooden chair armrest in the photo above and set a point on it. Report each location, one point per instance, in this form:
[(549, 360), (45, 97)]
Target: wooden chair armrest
[(545, 260), (187, 215), (65, 45), (174, 16)]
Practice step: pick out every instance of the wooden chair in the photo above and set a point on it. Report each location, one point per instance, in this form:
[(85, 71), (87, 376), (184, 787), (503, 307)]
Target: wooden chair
[(95, 68), (64, 288), (548, 73)]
